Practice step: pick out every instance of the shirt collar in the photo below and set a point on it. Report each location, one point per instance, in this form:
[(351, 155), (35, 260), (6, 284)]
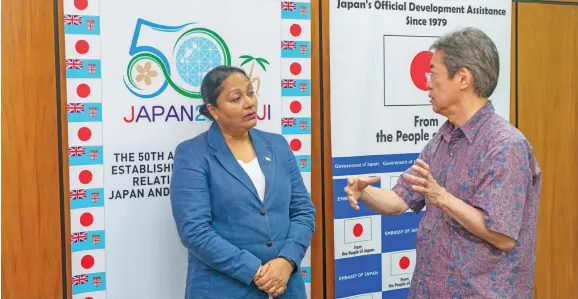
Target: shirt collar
[(471, 127)]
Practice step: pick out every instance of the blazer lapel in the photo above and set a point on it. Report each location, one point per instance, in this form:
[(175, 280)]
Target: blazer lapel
[(266, 158), (227, 159)]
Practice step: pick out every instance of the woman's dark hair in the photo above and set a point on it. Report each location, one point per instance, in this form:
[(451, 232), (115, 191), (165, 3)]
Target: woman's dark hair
[(212, 86)]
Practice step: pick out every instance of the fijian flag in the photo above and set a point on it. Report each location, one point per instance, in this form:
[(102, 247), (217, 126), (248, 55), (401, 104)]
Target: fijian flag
[(288, 45), (75, 108), (76, 151), (288, 5), (73, 64), (72, 20), (287, 83), (78, 237), (77, 194), (79, 279), (288, 122)]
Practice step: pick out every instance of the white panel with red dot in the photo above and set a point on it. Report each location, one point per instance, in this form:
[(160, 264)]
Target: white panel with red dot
[(86, 177), (307, 257), (397, 269), (366, 296), (296, 106), (307, 180), (296, 30), (296, 68), (88, 261), (357, 236), (82, 7), (82, 46), (411, 54), (85, 134), (90, 219), (90, 295), (357, 230), (83, 90), (299, 144)]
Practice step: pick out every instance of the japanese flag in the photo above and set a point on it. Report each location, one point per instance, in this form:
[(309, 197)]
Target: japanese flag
[(296, 68), (85, 134), (83, 90), (299, 144), (296, 30), (296, 106), (88, 261), (357, 230), (306, 261), (93, 295), (82, 7), (80, 46), (89, 219), (402, 262), (307, 181), (406, 62), (86, 177)]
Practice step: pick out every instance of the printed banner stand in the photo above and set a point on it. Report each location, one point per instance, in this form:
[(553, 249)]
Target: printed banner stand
[(381, 119), (133, 74)]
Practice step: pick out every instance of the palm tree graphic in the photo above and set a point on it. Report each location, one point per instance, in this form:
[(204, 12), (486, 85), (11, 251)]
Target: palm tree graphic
[(261, 62)]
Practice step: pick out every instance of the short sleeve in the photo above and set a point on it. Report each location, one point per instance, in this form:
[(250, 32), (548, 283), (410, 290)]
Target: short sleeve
[(502, 190), (415, 200)]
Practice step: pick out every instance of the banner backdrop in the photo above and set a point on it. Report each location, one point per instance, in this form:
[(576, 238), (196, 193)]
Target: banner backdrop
[(381, 119), (133, 75)]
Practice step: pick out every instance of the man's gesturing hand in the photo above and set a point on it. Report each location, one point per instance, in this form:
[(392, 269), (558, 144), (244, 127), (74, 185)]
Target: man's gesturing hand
[(355, 186), (426, 184)]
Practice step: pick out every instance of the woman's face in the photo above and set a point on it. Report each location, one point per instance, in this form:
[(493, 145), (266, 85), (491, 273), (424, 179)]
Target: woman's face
[(236, 110)]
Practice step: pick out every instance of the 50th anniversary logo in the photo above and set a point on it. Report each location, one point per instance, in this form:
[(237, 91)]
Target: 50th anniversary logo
[(195, 51)]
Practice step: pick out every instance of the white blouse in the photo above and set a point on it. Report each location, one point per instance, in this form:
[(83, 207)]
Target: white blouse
[(254, 171)]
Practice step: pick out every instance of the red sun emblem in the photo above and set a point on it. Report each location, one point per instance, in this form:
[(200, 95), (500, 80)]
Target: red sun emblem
[(419, 68)]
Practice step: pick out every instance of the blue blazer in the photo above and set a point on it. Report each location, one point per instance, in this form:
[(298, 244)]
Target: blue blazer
[(219, 217)]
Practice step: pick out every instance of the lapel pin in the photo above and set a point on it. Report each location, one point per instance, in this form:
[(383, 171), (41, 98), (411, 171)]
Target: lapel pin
[(267, 159)]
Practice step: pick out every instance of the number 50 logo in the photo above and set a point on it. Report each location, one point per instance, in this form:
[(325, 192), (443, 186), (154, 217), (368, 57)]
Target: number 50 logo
[(193, 52)]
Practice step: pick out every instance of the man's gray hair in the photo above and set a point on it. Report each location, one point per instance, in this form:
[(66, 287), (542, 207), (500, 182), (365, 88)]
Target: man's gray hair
[(472, 49)]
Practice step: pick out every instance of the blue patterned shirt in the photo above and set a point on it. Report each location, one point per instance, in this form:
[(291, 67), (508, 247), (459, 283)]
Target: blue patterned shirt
[(490, 165)]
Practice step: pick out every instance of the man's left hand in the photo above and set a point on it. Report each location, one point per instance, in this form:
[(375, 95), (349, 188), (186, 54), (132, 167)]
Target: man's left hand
[(274, 279), (426, 184)]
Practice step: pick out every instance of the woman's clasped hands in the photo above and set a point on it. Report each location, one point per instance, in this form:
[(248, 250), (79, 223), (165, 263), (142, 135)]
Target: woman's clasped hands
[(274, 276)]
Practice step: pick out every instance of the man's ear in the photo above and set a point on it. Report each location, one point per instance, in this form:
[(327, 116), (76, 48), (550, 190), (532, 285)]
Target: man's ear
[(465, 78)]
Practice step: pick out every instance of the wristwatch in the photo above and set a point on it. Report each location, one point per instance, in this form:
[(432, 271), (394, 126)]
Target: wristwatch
[(290, 262)]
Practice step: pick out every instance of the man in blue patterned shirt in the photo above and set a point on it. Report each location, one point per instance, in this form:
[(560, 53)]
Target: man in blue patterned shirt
[(478, 178)]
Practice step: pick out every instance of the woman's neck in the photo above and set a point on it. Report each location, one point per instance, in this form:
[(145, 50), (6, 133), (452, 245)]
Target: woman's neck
[(236, 138), (241, 146)]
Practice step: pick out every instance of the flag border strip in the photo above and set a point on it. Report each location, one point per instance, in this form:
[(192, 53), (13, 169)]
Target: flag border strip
[(285, 61)]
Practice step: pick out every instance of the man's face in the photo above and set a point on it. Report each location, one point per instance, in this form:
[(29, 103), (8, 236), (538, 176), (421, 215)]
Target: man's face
[(443, 91)]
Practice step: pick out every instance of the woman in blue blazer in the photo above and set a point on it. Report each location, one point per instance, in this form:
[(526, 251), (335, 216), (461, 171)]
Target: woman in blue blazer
[(238, 199)]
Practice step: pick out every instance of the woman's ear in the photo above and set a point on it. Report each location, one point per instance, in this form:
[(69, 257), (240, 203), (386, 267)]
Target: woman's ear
[(213, 111)]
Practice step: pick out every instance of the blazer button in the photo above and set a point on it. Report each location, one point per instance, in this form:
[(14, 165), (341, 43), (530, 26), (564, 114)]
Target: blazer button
[(269, 243), (262, 211)]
